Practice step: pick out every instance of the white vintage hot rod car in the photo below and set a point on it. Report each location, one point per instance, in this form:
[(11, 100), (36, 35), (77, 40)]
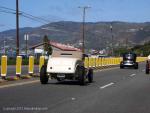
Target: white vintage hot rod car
[(66, 65)]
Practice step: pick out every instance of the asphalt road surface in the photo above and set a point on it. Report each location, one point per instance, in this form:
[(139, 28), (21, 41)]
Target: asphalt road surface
[(113, 91)]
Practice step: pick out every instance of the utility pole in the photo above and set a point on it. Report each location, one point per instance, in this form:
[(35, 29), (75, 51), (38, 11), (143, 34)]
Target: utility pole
[(112, 40), (4, 46), (83, 27), (17, 27)]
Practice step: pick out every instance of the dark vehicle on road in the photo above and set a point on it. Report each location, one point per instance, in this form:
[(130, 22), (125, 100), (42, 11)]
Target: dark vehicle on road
[(147, 68), (129, 60)]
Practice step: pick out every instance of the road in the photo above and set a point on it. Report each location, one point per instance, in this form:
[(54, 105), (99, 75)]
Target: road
[(113, 91)]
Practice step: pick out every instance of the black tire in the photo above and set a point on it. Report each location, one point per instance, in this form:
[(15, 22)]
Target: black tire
[(90, 75), (147, 71), (136, 66), (43, 75), (121, 66), (147, 68), (82, 77)]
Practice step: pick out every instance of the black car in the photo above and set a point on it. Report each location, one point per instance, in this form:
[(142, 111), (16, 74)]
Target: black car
[(147, 69), (129, 60)]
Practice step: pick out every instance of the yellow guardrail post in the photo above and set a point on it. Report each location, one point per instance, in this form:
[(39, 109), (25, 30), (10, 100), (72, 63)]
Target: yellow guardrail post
[(18, 65), (41, 62), (31, 64), (86, 62), (3, 67)]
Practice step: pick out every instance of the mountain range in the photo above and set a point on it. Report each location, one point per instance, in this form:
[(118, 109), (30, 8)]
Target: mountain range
[(98, 35)]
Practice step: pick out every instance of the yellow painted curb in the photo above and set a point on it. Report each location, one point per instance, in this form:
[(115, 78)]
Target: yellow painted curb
[(12, 78), (25, 77)]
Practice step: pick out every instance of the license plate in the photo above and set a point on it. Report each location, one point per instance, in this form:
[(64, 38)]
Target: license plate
[(61, 75)]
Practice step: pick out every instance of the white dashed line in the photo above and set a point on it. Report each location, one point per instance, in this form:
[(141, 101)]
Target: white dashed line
[(132, 75), (106, 85), (73, 99), (143, 70)]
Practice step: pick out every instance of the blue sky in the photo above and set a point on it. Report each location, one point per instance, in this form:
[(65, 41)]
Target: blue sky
[(67, 10)]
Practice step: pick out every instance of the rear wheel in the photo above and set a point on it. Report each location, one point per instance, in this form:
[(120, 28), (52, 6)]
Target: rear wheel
[(82, 77), (147, 68), (136, 66), (43, 75), (121, 66), (90, 75)]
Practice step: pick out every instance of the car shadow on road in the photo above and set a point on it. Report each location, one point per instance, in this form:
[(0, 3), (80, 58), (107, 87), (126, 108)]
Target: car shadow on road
[(67, 83)]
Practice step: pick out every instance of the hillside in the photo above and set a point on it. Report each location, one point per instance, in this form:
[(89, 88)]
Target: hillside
[(97, 35)]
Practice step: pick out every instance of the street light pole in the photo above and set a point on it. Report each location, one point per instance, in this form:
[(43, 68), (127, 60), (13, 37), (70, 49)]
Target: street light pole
[(83, 27), (17, 27)]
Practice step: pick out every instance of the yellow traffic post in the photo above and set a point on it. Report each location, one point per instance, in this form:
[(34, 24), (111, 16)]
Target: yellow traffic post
[(104, 61), (112, 61), (90, 64), (107, 61), (31, 65), (18, 65), (97, 63), (3, 67), (93, 62), (41, 62), (86, 62), (115, 61)]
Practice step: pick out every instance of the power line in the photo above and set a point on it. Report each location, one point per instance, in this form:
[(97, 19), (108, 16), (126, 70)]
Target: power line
[(24, 14), (4, 11)]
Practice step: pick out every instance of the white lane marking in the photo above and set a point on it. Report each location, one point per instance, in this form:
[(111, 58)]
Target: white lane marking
[(73, 99), (106, 85), (143, 70), (132, 75), (19, 84)]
